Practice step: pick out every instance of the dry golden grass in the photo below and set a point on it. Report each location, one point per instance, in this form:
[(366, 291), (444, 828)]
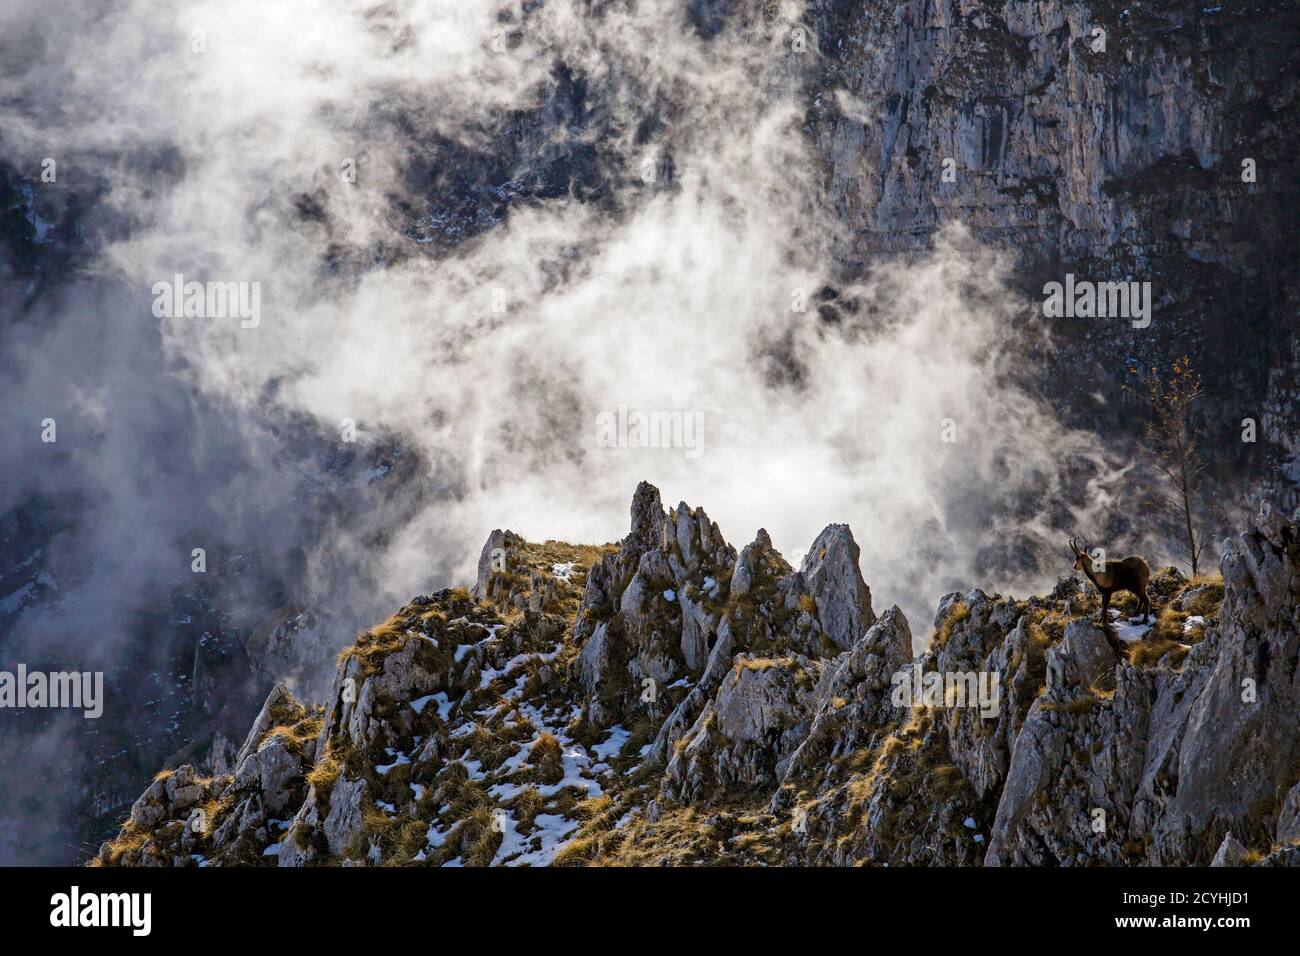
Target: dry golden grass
[(478, 839), (547, 759), (1207, 603), (1168, 626), (1148, 653), (296, 736), (526, 805), (325, 774), (760, 663), (1038, 635), (372, 646), (1083, 704), (592, 807), (577, 852), (131, 840), (956, 614), (683, 836)]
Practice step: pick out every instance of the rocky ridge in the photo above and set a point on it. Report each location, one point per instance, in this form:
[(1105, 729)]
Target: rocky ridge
[(671, 700)]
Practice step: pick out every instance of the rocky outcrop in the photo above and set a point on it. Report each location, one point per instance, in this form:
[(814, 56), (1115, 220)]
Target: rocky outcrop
[(609, 722), (167, 796), (184, 818), (744, 737), (832, 579), (649, 616), (1177, 760), (1239, 753), (854, 707), (655, 612)]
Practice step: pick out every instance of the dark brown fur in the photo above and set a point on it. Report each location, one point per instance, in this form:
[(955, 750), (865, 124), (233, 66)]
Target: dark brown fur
[(1129, 574)]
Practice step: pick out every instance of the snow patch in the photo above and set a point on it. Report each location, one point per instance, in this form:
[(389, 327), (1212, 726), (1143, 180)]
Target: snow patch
[(613, 745), (1127, 631), (401, 761)]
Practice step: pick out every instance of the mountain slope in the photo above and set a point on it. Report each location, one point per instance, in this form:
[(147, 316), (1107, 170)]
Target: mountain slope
[(669, 700)]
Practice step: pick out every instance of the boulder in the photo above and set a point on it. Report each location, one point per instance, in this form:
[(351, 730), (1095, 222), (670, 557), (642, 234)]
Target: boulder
[(1082, 660)]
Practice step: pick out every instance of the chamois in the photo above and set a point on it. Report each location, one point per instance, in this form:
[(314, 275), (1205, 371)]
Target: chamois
[(1131, 574)]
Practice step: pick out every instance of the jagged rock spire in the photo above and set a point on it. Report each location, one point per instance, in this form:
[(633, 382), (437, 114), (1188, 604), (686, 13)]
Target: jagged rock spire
[(831, 574), (648, 520)]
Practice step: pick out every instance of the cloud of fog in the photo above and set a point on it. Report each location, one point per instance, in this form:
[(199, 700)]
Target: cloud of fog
[(670, 296)]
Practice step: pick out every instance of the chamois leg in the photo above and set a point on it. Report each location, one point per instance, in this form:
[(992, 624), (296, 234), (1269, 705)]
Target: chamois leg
[(1107, 630), (1144, 605)]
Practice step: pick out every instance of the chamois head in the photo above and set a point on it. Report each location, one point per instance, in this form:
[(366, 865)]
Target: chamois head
[(1081, 560)]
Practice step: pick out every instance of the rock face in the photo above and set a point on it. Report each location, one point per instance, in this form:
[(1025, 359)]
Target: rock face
[(670, 700), (854, 705), (744, 737), (1176, 761), (1109, 141), (1039, 107)]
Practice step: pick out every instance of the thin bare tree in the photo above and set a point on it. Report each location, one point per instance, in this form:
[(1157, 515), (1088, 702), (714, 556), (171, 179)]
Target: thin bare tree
[(1169, 440)]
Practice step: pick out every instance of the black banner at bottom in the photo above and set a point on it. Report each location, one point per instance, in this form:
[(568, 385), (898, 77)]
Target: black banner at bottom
[(360, 905)]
